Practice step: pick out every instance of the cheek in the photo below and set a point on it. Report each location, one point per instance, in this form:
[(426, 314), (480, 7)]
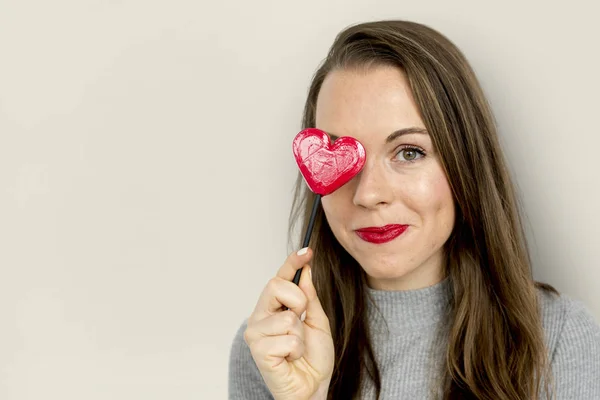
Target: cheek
[(338, 202), (332, 205), (337, 206), (442, 207), (431, 196), (442, 194)]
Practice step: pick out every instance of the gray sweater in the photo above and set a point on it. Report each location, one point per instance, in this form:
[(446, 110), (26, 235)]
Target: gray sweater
[(408, 346)]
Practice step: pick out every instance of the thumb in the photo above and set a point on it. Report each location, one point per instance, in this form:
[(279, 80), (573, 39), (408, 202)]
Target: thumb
[(315, 316)]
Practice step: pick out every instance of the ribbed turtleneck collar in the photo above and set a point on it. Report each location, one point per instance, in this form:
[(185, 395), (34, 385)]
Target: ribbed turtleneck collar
[(408, 310)]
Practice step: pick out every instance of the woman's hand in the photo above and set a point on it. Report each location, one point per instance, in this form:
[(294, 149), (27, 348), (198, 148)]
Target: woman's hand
[(294, 352)]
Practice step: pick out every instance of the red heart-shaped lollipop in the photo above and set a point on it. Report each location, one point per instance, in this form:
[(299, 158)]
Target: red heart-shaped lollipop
[(325, 166)]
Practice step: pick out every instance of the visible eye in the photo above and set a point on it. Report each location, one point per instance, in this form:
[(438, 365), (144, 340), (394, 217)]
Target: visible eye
[(409, 154)]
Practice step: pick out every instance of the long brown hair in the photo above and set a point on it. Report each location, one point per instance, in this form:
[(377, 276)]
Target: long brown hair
[(496, 348)]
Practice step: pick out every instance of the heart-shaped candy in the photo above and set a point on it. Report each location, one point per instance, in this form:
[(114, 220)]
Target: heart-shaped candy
[(325, 166)]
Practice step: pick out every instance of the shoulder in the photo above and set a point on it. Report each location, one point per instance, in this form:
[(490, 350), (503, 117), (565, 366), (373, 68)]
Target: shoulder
[(573, 339), (245, 381), (566, 318)]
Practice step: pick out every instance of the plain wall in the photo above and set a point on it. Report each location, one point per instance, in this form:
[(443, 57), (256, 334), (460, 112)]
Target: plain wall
[(146, 171)]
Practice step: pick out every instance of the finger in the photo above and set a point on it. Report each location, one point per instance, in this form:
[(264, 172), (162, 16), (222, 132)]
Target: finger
[(279, 293), (269, 351), (315, 315), (294, 262), (282, 323)]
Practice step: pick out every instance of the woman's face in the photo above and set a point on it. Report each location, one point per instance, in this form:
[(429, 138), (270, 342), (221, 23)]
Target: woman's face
[(401, 188)]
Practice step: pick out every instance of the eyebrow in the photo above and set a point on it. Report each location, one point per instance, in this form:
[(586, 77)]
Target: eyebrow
[(394, 135)]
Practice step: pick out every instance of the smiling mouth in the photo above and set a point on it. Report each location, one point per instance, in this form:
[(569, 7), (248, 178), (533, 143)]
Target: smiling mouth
[(381, 234)]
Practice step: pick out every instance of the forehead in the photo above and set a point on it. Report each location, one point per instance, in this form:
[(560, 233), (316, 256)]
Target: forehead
[(366, 103)]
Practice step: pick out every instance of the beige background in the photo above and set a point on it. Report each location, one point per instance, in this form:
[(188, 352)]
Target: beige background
[(146, 171)]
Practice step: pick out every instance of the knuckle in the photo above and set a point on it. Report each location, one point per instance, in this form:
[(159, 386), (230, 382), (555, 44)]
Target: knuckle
[(289, 318), (295, 343), (272, 284)]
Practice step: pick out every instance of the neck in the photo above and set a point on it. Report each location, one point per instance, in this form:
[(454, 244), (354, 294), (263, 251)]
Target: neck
[(408, 310)]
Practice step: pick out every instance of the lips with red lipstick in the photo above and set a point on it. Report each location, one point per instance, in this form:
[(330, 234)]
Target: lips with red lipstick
[(381, 234)]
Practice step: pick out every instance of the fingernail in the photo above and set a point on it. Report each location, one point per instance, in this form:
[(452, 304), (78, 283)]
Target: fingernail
[(303, 316), (310, 273), (303, 251)]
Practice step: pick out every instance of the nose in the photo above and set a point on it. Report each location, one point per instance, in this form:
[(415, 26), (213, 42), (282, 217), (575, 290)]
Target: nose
[(372, 188)]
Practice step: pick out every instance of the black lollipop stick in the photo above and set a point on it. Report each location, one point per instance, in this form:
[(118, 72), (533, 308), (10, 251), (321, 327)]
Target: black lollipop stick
[(308, 234)]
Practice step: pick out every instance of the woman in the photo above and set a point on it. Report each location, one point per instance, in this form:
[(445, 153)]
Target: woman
[(417, 283)]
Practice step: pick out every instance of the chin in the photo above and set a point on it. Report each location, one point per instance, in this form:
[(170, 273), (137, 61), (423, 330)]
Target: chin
[(386, 270)]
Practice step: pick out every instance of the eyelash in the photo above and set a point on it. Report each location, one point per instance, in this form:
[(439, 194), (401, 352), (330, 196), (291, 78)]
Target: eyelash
[(410, 147)]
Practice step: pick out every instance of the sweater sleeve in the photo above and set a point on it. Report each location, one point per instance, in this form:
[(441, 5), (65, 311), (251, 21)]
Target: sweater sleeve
[(245, 380), (576, 360)]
